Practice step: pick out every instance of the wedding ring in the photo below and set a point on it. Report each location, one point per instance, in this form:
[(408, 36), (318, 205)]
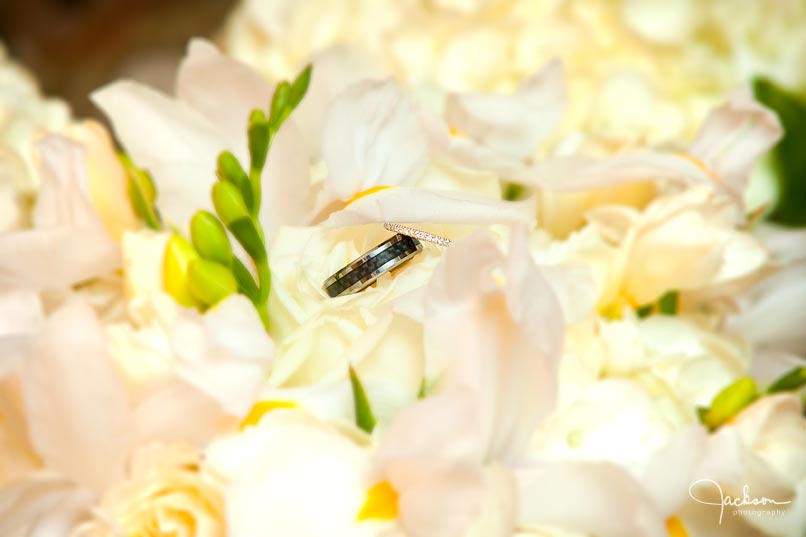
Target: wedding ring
[(363, 272), (416, 233)]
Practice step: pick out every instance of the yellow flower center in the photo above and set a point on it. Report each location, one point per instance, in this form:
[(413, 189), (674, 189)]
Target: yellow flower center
[(675, 527), (261, 408), (455, 132), (381, 503), (367, 192)]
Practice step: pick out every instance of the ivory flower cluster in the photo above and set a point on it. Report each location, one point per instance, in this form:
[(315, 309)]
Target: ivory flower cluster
[(639, 70), (610, 342)]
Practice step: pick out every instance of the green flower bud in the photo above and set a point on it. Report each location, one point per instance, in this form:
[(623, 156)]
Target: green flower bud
[(792, 380), (280, 102), (209, 238), (179, 253), (258, 133), (210, 282), (229, 169), (300, 86), (729, 402), (228, 202)]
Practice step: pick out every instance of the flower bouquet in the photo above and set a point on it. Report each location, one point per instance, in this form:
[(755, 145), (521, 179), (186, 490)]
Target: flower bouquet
[(434, 268)]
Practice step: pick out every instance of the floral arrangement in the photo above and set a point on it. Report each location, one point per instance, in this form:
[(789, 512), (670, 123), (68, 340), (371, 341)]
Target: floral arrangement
[(608, 342)]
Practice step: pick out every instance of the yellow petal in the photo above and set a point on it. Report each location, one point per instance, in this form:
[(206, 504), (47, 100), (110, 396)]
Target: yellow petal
[(261, 408), (675, 527), (381, 503)]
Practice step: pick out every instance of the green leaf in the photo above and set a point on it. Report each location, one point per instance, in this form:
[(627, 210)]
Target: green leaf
[(792, 380), (729, 402), (229, 169), (644, 311), (788, 156), (422, 391), (363, 412), (210, 282), (300, 86), (209, 237), (667, 304), (258, 133), (246, 283), (248, 235), (228, 202)]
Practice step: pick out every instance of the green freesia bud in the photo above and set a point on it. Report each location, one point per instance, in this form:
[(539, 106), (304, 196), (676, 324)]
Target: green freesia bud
[(729, 402), (258, 133), (300, 86), (229, 169), (210, 282), (179, 253), (209, 238), (792, 380), (246, 232), (280, 102), (228, 202)]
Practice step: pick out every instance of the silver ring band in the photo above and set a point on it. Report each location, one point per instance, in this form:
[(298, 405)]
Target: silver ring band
[(416, 233), (363, 272)]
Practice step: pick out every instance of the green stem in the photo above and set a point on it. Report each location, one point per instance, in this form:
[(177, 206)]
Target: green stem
[(264, 284)]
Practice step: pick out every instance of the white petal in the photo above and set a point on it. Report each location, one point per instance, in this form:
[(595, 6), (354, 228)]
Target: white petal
[(292, 475), (372, 137), (512, 124)]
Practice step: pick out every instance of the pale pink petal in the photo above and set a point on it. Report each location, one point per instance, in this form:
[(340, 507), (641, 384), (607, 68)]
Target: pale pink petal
[(42, 506), (21, 319), (512, 125), (222, 89), (590, 498), (76, 401), (333, 71), (733, 137), (372, 137), (577, 173), (67, 230), (511, 337), (445, 503), (173, 141), (179, 412), (225, 353), (413, 205), (670, 471), (286, 196)]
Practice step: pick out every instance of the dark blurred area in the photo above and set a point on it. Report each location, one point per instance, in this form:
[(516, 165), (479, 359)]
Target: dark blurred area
[(75, 46)]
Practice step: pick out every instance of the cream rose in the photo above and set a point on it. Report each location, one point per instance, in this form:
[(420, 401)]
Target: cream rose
[(169, 492)]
